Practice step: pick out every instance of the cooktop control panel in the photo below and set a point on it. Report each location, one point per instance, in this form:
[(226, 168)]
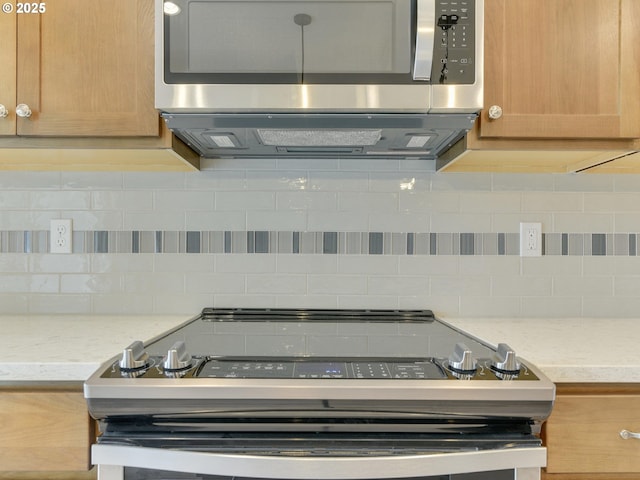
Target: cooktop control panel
[(320, 369), (359, 369)]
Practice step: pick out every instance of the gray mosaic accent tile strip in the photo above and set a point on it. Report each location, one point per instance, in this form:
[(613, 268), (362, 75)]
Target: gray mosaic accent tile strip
[(326, 243)]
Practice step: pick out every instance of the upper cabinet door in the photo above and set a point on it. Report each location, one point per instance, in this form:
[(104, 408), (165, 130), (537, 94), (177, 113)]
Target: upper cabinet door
[(85, 68), (7, 73), (562, 69)]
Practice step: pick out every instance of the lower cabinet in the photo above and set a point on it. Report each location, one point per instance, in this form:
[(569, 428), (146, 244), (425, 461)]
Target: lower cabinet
[(45, 430), (582, 435)]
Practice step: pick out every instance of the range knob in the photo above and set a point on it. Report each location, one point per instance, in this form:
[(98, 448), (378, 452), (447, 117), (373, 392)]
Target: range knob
[(461, 360), (134, 357), (505, 360), (177, 357)]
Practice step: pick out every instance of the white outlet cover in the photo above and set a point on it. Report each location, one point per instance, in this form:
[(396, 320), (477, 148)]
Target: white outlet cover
[(530, 239), (60, 236)]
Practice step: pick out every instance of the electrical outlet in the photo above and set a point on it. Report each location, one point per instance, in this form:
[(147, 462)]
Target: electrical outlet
[(60, 235), (530, 239)]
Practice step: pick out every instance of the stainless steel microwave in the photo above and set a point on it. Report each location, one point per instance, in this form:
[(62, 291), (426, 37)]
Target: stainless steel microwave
[(224, 64)]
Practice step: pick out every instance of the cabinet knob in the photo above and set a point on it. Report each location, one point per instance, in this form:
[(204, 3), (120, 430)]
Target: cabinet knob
[(3, 111), (495, 112), (626, 434), (23, 110)]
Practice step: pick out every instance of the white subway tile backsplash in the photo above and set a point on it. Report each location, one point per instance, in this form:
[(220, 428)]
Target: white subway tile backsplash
[(246, 200), (396, 285), (60, 200), (287, 284), (552, 307), (605, 202), (307, 200), (213, 181), (582, 222), (578, 286), (337, 222), (91, 181), (584, 183), (493, 202), (460, 222), (91, 283), (493, 306), (14, 199), (14, 304), (121, 200), (462, 182), (153, 180), (366, 202), (427, 202), (338, 181), (475, 286), (398, 222), (522, 286), (160, 283), (337, 284), (280, 220), (48, 304), (384, 233), (168, 200), (158, 221), (215, 221), (318, 264), (552, 202), (245, 263), (123, 304), (215, 283), (51, 263), (27, 180)]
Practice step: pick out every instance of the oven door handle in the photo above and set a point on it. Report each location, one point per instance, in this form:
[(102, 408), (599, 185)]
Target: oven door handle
[(111, 458)]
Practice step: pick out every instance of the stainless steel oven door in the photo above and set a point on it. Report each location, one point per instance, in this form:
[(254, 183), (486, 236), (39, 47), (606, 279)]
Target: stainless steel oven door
[(122, 462)]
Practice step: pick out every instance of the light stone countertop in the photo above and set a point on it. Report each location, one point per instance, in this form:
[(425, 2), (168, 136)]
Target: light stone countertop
[(70, 348), (581, 350)]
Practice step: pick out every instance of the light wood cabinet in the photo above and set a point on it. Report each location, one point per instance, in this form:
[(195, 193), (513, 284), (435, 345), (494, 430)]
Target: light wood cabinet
[(562, 68), (85, 68), (44, 429), (582, 434), (565, 74), (7, 73)]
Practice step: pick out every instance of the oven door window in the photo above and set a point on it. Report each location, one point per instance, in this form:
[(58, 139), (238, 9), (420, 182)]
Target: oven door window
[(147, 474), (288, 42)]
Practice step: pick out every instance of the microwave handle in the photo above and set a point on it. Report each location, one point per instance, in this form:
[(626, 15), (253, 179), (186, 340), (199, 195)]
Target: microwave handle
[(111, 460), (425, 38)]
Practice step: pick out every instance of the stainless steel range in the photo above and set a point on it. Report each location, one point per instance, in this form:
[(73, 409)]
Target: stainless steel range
[(318, 394)]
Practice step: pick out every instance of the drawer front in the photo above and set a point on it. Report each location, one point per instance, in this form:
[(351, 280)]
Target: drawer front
[(583, 434), (44, 430)]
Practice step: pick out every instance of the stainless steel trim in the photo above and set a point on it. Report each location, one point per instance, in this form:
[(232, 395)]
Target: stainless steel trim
[(319, 468), (425, 37), (341, 389)]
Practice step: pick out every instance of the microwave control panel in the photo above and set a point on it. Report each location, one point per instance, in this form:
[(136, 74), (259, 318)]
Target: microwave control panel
[(454, 43)]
